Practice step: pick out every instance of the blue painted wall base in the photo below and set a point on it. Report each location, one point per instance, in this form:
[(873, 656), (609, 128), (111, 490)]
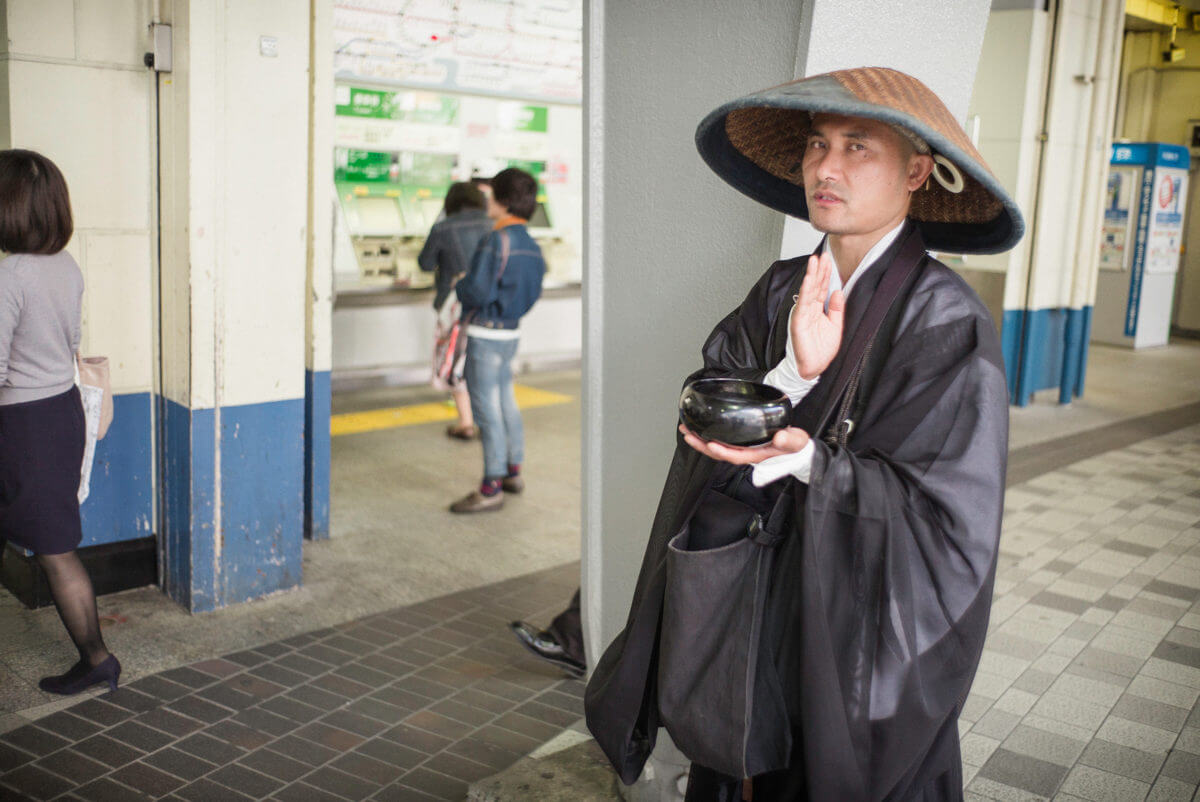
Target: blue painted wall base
[(1045, 348), (317, 412), (119, 504), (248, 544)]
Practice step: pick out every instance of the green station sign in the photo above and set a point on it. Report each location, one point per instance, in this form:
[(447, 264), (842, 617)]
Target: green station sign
[(362, 165), (519, 117), (403, 106), (431, 171)]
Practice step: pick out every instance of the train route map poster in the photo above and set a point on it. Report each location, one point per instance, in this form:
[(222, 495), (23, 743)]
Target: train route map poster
[(530, 49)]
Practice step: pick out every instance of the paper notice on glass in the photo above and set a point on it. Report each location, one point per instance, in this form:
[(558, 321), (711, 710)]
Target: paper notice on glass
[(92, 398)]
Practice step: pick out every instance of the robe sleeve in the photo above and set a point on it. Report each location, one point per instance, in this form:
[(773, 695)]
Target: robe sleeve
[(899, 536)]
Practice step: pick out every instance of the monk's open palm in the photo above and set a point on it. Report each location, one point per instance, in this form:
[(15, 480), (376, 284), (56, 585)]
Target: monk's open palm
[(816, 334)]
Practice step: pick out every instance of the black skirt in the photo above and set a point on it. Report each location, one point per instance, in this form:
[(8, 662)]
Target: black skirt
[(41, 453)]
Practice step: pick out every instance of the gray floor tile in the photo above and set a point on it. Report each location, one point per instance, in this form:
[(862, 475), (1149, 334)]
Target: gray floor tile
[(34, 740), (147, 779), (1113, 663), (1178, 653), (1034, 681), (68, 725), (35, 783), (1024, 772), (1148, 711), (1136, 735), (181, 764), (1103, 786), (246, 781), (1182, 766), (72, 765), (1055, 748), (1123, 760), (1058, 601)]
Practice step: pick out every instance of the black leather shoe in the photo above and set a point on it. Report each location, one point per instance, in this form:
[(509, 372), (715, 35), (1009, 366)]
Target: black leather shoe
[(542, 644), (83, 676)]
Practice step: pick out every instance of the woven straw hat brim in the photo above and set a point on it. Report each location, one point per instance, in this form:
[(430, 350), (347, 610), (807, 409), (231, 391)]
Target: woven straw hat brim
[(757, 143)]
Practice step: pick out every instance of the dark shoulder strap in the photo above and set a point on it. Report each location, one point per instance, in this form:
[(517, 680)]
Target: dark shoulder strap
[(504, 247), (906, 260)]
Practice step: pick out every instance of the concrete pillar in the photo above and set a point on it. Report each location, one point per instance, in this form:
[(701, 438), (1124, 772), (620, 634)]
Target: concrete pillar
[(235, 146), (670, 248), (318, 296)]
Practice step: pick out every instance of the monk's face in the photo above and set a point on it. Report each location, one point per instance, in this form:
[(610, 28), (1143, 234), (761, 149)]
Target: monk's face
[(859, 175)]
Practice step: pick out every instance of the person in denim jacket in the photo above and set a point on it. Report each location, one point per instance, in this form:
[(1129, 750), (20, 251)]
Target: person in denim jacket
[(504, 282)]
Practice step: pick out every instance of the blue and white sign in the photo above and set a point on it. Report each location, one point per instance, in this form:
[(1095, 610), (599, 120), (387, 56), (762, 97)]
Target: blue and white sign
[(1159, 217)]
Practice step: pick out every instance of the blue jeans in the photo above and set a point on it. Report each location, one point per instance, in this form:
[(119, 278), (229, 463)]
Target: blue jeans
[(493, 404)]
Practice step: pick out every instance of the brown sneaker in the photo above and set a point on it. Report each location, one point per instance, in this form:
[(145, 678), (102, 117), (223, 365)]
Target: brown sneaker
[(512, 484), (478, 502)]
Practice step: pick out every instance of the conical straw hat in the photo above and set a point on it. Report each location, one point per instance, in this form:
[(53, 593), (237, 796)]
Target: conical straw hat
[(756, 143)]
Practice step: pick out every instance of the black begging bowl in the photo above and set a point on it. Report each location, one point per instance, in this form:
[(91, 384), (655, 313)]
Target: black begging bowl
[(734, 411)]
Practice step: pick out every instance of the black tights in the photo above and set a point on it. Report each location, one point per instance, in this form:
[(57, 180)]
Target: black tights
[(71, 588)]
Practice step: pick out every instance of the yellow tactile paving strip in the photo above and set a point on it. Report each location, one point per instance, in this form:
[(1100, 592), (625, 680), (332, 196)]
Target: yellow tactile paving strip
[(395, 417)]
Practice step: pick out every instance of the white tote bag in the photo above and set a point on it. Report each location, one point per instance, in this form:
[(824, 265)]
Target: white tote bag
[(91, 374)]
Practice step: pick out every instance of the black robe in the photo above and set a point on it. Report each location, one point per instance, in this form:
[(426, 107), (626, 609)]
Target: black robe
[(881, 592)]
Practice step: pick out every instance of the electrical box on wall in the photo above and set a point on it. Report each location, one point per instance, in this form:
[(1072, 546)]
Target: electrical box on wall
[(159, 58)]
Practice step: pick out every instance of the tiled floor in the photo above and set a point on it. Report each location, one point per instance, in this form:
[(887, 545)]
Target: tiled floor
[(411, 704), (1090, 676)]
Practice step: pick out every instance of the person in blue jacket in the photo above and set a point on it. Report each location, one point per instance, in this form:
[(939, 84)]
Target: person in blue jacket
[(502, 285)]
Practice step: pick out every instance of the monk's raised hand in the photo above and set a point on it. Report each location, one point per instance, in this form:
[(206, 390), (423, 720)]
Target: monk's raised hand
[(816, 334)]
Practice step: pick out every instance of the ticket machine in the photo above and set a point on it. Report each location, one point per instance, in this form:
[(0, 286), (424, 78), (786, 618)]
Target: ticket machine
[(389, 201), (1141, 243)]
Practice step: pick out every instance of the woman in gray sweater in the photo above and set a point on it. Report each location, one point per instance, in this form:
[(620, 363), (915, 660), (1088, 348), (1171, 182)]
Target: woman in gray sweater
[(41, 416)]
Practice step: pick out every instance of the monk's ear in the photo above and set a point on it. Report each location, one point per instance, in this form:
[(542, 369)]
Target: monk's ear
[(919, 168)]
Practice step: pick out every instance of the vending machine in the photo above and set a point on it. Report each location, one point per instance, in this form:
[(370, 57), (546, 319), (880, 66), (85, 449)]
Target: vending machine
[(1141, 244)]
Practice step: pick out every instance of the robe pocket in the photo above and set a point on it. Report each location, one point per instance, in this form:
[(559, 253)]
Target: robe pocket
[(718, 692)]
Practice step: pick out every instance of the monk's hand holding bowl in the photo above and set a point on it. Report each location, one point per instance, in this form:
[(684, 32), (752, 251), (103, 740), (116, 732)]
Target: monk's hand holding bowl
[(785, 441)]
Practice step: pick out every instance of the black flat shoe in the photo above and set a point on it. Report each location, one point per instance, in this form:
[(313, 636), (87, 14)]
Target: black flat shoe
[(542, 644), (83, 676)]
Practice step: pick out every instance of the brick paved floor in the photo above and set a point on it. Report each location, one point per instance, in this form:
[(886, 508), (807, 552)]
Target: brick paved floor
[(411, 704)]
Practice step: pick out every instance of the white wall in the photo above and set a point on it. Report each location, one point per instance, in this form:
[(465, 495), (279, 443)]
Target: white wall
[(76, 91)]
